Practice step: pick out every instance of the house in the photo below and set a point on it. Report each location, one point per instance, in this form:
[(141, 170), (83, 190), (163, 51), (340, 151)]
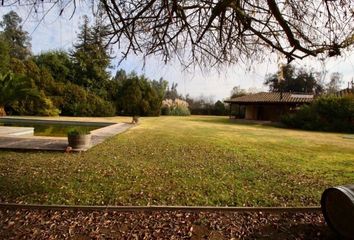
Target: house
[(267, 106), (345, 92)]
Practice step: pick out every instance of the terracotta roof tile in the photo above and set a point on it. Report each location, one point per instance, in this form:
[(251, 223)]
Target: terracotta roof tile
[(273, 97)]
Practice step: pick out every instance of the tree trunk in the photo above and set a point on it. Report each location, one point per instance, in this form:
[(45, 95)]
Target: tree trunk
[(2, 111)]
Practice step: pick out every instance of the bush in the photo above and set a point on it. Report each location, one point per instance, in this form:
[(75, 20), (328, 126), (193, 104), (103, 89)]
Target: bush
[(328, 113), (78, 132), (76, 101), (39, 105), (99, 107), (139, 96), (175, 107)]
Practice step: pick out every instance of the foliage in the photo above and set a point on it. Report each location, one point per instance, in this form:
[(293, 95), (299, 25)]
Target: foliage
[(206, 106), (58, 63), (4, 55), (90, 56), (295, 80), (76, 101), (196, 160), (139, 96), (78, 132), (76, 84), (16, 37), (219, 108), (176, 107), (40, 105), (14, 88), (161, 85), (172, 93), (22, 85), (328, 113), (237, 92), (98, 107)]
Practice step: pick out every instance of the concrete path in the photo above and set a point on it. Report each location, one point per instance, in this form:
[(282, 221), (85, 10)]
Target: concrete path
[(59, 143), (16, 131)]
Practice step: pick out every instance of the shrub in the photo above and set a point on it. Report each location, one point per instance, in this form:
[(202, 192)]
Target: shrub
[(78, 132), (328, 113), (76, 101), (99, 107), (175, 107), (139, 96), (35, 103)]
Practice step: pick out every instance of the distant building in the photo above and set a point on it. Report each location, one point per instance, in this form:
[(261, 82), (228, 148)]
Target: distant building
[(267, 106)]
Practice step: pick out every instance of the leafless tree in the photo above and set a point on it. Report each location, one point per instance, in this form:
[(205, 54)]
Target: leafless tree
[(210, 32)]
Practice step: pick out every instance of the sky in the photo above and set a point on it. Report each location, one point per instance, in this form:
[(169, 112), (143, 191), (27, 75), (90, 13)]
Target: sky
[(55, 32)]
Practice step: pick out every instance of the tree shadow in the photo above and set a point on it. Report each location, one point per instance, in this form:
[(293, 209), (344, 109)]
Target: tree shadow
[(299, 231), (231, 121)]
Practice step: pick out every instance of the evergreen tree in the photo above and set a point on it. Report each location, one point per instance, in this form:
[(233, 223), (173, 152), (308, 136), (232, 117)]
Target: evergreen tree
[(219, 108), (16, 37), (120, 75), (160, 86), (90, 55), (58, 63), (137, 95), (173, 93)]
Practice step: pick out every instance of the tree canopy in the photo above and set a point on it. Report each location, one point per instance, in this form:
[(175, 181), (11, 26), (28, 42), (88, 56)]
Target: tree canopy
[(76, 83), (17, 38), (295, 80), (218, 31), (90, 55)]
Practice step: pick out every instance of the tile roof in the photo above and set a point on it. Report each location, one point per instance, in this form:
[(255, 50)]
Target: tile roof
[(273, 97), (345, 92)]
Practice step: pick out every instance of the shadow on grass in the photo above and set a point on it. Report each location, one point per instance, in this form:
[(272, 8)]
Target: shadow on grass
[(263, 124), (300, 231), (231, 121)]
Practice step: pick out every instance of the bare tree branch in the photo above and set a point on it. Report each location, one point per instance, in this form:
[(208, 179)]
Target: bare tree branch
[(212, 32)]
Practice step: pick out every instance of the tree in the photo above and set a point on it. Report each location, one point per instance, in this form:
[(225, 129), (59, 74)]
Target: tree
[(120, 75), (202, 105), (219, 108), (325, 113), (13, 89), (91, 58), (138, 95), (335, 83), (58, 63), (237, 91), (173, 93), (160, 86), (4, 55), (15, 36), (295, 80), (211, 32)]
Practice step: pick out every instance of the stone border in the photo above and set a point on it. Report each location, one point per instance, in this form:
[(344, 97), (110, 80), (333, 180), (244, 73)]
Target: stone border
[(99, 135), (63, 122)]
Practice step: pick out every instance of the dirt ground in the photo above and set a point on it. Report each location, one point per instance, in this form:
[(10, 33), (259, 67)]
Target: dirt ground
[(69, 224)]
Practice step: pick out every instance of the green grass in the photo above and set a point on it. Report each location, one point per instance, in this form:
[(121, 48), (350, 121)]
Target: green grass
[(185, 161)]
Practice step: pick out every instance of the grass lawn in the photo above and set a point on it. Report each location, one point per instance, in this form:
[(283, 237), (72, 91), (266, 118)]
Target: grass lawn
[(185, 161)]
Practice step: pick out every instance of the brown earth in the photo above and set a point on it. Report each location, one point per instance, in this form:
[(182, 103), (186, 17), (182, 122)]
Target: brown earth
[(45, 224)]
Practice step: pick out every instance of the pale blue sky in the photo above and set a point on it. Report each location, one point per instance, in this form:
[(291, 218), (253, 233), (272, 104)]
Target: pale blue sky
[(59, 33)]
